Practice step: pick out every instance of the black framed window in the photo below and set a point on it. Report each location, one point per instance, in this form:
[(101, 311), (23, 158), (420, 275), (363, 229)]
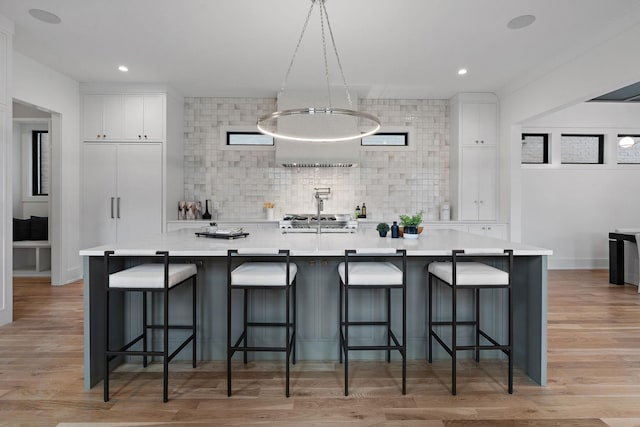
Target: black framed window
[(629, 155), (40, 163), (535, 148), (582, 149), (248, 138), (386, 139)]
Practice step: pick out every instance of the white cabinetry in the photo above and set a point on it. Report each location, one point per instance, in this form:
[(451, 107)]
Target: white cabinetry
[(474, 162), (122, 192), (478, 123), (499, 231), (478, 184), (123, 117), (102, 117), (144, 117)]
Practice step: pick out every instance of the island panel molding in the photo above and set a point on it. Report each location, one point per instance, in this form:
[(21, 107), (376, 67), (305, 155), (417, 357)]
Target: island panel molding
[(317, 257)]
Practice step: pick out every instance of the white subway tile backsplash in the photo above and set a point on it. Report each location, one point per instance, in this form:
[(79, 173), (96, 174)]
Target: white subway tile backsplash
[(389, 182)]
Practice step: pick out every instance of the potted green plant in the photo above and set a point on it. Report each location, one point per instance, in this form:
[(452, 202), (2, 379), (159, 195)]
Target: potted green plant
[(382, 228), (410, 225)]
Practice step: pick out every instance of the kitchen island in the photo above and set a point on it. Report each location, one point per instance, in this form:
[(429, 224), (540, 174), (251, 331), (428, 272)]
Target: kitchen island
[(317, 257)]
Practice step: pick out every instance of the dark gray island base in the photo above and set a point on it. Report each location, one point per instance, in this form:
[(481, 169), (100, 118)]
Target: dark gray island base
[(317, 337)]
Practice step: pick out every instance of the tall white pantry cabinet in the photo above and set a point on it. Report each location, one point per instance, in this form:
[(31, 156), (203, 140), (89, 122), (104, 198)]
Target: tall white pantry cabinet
[(474, 156), (128, 182)]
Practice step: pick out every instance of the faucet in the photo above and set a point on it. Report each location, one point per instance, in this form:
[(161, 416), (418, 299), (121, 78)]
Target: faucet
[(320, 195)]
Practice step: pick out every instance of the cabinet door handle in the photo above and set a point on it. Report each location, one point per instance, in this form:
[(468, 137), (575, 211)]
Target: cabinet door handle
[(118, 210), (145, 137), (98, 136), (139, 136), (104, 135), (112, 207)]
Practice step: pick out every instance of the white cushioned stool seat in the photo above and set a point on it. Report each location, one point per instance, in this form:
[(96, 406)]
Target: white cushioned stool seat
[(263, 274), (371, 273), (469, 273), (150, 276)]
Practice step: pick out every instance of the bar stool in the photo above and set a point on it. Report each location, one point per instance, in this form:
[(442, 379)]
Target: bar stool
[(148, 279), (252, 269), (360, 270), (466, 272)]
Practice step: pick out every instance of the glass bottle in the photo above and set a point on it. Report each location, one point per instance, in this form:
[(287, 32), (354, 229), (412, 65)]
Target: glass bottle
[(395, 230), (358, 213), (206, 214), (363, 211)]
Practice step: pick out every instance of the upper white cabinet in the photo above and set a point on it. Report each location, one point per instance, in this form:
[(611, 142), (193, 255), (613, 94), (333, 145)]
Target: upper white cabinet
[(144, 117), (474, 157), (102, 117), (123, 117), (478, 123)]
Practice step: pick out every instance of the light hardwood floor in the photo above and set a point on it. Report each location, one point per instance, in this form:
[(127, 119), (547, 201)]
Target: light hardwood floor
[(594, 375)]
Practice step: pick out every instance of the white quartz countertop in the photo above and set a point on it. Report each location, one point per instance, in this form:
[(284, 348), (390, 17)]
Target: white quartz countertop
[(184, 242)]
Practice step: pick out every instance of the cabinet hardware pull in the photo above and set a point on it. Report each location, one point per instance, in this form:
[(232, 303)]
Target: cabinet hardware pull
[(112, 207), (104, 135), (139, 136), (118, 210), (145, 137), (98, 136)]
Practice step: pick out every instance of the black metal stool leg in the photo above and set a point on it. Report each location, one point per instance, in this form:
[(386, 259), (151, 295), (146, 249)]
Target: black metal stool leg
[(454, 344), (295, 319), (288, 343), (145, 326), (340, 343), (195, 328), (165, 350), (346, 340), (229, 341), (430, 331), (246, 318), (388, 292), (476, 295)]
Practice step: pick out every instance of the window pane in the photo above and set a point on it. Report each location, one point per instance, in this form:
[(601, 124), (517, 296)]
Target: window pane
[(582, 149), (386, 139), (535, 148), (248, 138), (629, 155), (40, 163)]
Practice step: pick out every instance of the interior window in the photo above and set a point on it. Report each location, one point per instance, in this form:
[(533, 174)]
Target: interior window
[(40, 163)]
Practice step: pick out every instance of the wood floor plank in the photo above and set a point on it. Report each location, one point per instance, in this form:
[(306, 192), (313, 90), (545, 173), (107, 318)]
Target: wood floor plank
[(593, 375)]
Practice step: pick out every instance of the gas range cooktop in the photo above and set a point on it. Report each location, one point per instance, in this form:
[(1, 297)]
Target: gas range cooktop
[(308, 223)]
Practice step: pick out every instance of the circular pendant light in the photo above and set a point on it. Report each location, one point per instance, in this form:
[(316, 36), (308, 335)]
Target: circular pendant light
[(319, 123), (626, 142)]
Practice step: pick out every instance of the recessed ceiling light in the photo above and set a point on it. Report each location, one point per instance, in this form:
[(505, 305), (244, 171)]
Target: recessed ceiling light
[(462, 71), (123, 68), (44, 16), (521, 22)]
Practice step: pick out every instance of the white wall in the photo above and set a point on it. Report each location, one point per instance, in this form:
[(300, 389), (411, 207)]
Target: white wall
[(39, 85), (16, 162), (572, 208), (586, 76), (23, 204), (6, 214)]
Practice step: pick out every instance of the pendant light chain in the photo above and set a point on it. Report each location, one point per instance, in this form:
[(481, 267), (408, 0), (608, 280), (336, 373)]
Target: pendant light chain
[(335, 51), (323, 11), (295, 52)]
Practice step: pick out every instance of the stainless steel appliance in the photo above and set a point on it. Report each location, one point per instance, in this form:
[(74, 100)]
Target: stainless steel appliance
[(308, 223)]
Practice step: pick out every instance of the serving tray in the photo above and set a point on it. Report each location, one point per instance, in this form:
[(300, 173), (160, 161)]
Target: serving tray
[(227, 236)]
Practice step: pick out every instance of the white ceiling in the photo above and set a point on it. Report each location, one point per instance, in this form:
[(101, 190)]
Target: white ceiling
[(388, 48)]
